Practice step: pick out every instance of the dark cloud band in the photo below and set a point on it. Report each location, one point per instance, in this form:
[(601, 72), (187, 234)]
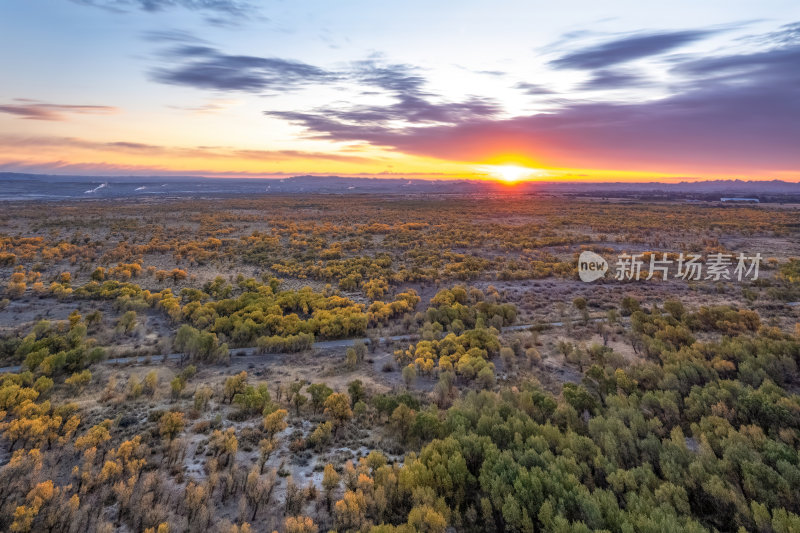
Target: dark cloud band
[(628, 49)]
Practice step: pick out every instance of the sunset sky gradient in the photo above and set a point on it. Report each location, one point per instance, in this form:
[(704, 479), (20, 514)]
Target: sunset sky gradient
[(618, 91)]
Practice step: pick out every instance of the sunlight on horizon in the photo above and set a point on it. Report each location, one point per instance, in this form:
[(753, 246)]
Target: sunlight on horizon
[(511, 173)]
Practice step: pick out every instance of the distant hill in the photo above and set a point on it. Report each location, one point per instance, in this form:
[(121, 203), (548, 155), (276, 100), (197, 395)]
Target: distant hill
[(19, 186)]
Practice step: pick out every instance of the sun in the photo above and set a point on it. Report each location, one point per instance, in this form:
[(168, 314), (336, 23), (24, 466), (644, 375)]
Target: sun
[(509, 173)]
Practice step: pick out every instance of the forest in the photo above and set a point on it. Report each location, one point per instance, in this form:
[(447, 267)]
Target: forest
[(394, 364)]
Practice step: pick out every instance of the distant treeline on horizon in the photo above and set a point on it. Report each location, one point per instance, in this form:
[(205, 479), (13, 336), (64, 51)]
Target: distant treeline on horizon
[(19, 186)]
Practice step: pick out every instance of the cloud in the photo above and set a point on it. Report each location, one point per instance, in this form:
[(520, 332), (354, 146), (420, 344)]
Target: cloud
[(533, 89), (172, 36), (495, 73), (221, 12), (280, 155), (602, 80), (205, 67), (398, 79), (779, 62), (35, 110), (209, 107), (408, 111), (42, 144), (734, 113), (628, 49), (411, 110), (412, 105), (130, 146), (201, 66), (67, 168)]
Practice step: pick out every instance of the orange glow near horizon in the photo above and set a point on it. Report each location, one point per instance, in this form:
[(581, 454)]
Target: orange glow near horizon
[(94, 156)]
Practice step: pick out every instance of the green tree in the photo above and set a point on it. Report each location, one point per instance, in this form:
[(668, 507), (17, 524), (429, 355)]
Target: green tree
[(319, 392), (356, 391)]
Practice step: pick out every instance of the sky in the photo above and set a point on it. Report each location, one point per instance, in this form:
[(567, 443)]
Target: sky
[(510, 90)]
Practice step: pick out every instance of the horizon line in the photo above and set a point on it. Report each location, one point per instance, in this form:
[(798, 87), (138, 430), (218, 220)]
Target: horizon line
[(678, 180)]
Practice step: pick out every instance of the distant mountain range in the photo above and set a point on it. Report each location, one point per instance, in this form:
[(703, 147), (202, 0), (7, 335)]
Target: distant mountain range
[(17, 186)]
